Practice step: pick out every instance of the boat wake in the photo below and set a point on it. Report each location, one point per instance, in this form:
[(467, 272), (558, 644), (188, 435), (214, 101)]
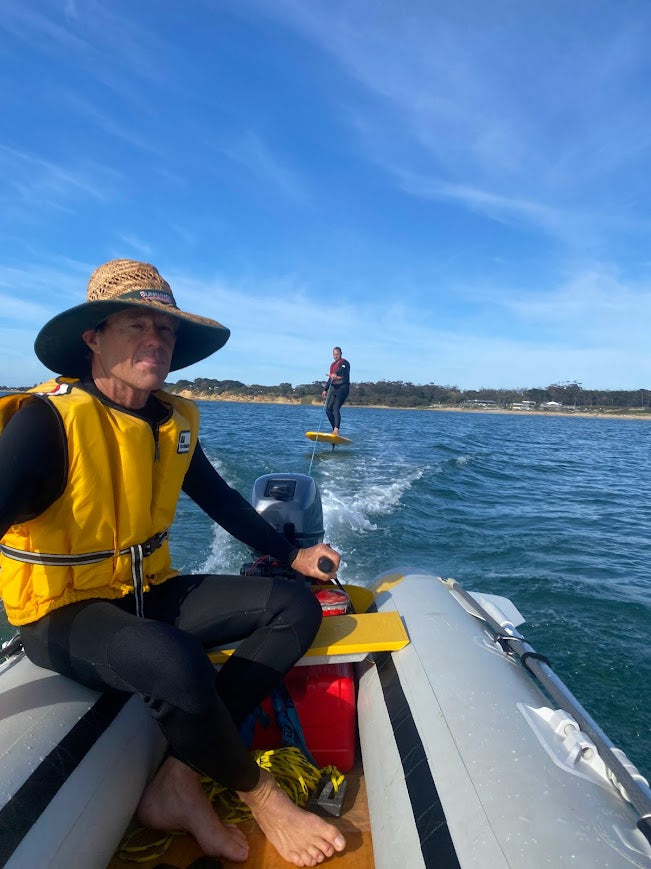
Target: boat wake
[(356, 510)]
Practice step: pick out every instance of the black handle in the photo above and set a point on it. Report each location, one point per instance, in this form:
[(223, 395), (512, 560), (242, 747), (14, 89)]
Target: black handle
[(325, 564)]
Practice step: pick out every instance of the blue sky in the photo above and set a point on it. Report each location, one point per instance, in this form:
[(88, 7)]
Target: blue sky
[(455, 193)]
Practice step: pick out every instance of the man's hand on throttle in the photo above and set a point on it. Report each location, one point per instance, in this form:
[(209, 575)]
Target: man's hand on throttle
[(307, 562)]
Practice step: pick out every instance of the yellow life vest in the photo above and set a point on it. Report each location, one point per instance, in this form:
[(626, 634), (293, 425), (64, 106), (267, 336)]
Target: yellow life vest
[(106, 535)]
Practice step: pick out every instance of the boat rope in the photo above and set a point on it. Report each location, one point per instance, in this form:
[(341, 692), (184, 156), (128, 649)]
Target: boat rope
[(294, 774), (309, 470)]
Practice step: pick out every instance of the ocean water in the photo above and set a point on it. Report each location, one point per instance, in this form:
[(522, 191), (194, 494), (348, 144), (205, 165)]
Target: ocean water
[(552, 512)]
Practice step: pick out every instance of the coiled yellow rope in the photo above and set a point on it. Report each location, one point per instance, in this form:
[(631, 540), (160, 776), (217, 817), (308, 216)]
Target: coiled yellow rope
[(295, 775)]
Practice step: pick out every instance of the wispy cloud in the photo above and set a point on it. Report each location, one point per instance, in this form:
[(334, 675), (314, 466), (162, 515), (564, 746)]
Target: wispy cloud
[(584, 323), (35, 180), (280, 333), (255, 155), (137, 246), (109, 47), (593, 305), (498, 207), (508, 111), (38, 29), (19, 310), (70, 9), (73, 103), (469, 182), (36, 291)]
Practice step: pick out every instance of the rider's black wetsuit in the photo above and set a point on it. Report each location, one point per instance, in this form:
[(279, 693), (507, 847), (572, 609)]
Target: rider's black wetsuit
[(337, 388)]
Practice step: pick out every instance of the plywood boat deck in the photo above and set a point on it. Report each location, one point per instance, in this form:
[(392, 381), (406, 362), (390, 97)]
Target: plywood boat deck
[(354, 823)]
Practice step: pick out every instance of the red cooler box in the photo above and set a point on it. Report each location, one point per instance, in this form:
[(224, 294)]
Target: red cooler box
[(324, 697)]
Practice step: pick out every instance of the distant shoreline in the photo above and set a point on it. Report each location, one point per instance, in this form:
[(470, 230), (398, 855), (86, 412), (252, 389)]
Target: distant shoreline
[(233, 398), (583, 414)]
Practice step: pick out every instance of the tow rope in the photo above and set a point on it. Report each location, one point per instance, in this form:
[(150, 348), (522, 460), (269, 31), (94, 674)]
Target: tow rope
[(294, 774), (309, 470)]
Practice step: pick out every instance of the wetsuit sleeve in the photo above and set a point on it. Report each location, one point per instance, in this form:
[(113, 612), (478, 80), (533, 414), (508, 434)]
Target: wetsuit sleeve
[(328, 382), (33, 463), (232, 511)]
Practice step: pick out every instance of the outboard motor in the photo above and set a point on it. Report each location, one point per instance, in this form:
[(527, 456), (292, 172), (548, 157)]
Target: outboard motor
[(291, 503), (314, 708)]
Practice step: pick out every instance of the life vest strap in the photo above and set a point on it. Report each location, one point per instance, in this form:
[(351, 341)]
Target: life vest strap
[(138, 553), (51, 559)]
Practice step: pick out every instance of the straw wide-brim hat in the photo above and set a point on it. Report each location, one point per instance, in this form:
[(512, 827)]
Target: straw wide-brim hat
[(116, 286)]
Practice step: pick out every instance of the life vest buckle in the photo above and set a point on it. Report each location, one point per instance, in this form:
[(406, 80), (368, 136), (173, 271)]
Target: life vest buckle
[(155, 542)]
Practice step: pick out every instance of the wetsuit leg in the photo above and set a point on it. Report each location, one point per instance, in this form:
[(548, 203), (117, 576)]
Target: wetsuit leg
[(273, 621), (335, 401), (329, 409), (103, 644)]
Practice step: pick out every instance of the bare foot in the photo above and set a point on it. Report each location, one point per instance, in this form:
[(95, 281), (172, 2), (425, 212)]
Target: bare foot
[(174, 800), (335, 431), (300, 837)]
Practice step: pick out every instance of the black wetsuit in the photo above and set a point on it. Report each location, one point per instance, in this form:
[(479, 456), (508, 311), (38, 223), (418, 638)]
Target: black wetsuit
[(337, 388), (161, 657)]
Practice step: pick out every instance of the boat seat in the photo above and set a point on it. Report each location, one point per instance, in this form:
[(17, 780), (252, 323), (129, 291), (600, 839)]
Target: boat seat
[(347, 638)]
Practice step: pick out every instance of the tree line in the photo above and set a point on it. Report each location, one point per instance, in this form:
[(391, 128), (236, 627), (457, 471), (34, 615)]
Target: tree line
[(398, 393)]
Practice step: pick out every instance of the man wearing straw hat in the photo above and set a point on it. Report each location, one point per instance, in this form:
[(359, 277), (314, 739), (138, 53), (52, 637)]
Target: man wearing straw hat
[(92, 466)]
